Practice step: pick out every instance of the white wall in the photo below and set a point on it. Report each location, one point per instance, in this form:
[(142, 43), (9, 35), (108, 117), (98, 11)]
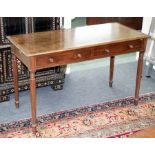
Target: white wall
[(68, 22), (146, 24), (145, 28)]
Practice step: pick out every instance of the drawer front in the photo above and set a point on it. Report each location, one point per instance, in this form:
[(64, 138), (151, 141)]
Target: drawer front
[(117, 48), (66, 57)]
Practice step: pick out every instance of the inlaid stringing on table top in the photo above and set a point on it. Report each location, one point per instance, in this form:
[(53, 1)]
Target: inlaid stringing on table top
[(53, 48)]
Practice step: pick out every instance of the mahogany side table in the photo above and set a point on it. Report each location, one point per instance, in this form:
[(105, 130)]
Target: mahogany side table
[(60, 47)]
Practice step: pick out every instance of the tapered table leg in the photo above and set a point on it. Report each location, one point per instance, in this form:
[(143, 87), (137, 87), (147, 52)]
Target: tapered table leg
[(33, 100), (15, 79), (139, 76), (112, 61)]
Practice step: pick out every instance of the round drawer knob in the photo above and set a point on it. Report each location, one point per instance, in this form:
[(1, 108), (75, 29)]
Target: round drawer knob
[(131, 46), (107, 51), (51, 60), (79, 55)]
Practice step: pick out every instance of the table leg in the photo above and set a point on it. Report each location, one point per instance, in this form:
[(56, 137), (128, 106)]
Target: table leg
[(33, 100), (139, 76), (15, 79), (112, 61)]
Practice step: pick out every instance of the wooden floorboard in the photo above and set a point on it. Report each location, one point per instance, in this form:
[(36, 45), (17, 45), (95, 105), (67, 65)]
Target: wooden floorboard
[(145, 133)]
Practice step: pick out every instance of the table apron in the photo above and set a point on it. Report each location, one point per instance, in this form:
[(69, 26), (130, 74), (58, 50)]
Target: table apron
[(89, 53)]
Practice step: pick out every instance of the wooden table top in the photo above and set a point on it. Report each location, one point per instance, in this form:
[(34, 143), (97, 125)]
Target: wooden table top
[(68, 39)]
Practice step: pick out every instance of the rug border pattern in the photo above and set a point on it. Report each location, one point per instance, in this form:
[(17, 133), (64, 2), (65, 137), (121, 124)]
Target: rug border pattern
[(123, 102)]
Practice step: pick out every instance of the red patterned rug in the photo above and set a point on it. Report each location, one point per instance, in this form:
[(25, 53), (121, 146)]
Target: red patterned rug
[(118, 118)]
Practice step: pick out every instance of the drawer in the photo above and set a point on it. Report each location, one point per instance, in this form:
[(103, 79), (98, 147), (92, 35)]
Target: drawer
[(117, 48), (56, 59), (66, 57)]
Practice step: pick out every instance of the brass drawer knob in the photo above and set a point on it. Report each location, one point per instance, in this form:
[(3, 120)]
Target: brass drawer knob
[(107, 51), (131, 46), (79, 55), (51, 60)]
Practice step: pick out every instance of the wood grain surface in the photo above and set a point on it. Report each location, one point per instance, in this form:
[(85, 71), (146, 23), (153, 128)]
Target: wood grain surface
[(70, 39)]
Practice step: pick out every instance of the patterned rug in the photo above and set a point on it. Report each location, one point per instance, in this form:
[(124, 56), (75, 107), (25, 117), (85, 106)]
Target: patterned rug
[(118, 118)]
